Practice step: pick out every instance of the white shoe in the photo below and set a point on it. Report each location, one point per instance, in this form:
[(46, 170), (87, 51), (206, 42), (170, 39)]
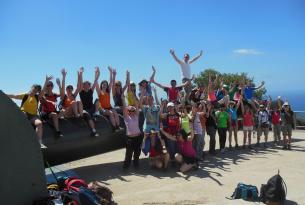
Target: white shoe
[(42, 146)]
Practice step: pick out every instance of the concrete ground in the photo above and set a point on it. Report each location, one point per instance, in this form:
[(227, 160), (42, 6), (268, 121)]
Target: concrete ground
[(215, 180)]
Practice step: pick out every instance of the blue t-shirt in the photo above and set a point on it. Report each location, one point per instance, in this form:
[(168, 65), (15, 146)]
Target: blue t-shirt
[(152, 117), (249, 92), (233, 113), (219, 95)]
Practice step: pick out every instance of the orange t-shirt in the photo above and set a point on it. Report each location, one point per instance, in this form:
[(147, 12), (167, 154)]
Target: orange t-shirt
[(104, 99), (68, 101)]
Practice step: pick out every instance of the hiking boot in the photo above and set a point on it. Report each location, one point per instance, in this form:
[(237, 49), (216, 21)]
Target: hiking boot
[(136, 163), (58, 134), (94, 134), (42, 146)]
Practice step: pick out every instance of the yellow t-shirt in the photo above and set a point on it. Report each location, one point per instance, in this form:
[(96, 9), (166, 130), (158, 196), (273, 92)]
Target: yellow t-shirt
[(131, 98), (30, 105)]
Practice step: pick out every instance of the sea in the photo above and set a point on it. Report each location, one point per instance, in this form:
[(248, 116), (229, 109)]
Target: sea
[(295, 98)]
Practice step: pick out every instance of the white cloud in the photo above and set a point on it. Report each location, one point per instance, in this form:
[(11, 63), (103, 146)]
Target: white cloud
[(246, 51)]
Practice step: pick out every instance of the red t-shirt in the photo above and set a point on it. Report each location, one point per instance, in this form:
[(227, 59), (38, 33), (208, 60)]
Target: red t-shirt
[(173, 123), (248, 119), (276, 117), (172, 93), (49, 105)]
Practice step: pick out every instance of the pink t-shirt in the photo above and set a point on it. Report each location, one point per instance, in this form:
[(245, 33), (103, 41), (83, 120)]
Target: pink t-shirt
[(186, 148), (132, 125), (212, 96)]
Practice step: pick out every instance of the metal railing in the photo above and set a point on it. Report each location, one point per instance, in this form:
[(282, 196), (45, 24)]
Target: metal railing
[(299, 119)]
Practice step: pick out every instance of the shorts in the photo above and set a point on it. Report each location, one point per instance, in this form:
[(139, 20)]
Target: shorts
[(234, 123), (46, 115), (287, 129), (148, 128), (30, 116), (248, 128), (261, 130), (90, 111), (189, 160)]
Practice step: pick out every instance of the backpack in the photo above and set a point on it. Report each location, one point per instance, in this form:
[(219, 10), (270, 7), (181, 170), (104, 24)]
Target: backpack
[(245, 192), (274, 191), (77, 191)]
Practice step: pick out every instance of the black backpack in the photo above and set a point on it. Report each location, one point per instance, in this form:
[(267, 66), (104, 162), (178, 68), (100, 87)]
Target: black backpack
[(274, 191)]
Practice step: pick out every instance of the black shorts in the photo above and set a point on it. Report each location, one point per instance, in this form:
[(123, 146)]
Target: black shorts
[(189, 160), (46, 115)]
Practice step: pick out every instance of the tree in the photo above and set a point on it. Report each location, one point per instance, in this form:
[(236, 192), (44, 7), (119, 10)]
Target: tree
[(228, 79)]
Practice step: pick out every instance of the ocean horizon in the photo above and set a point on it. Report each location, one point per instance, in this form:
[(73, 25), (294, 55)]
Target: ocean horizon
[(296, 98)]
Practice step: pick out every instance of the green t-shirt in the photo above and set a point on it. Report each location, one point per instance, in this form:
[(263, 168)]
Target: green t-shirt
[(223, 118), (185, 124)]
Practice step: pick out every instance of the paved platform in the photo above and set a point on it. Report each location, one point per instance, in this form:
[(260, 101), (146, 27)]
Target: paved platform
[(211, 184)]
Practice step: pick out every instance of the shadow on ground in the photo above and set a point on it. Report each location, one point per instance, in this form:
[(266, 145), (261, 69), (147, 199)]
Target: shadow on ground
[(208, 168)]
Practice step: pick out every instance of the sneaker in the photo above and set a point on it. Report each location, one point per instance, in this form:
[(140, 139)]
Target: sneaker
[(94, 134), (42, 146), (96, 114), (58, 134)]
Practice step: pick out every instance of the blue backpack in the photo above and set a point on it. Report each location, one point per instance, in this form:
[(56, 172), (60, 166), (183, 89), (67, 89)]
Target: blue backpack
[(245, 192)]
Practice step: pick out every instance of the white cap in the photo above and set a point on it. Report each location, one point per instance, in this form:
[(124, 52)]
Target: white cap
[(286, 104), (170, 104)]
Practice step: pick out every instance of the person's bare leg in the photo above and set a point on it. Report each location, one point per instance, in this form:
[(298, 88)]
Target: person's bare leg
[(111, 117), (230, 135), (80, 108), (75, 109), (235, 135), (116, 118), (249, 137), (166, 160), (245, 137), (54, 118), (178, 158)]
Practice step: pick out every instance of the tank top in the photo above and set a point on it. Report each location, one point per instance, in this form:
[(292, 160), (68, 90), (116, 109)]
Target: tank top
[(211, 96), (248, 119), (104, 99), (117, 99)]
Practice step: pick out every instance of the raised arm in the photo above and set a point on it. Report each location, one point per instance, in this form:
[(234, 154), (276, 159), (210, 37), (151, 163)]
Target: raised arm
[(96, 76), (156, 96), (127, 83), (111, 79), (260, 86), (48, 78), (242, 106), (191, 137), (174, 56), (124, 105), (97, 85), (141, 97), (279, 102), (63, 83), (196, 58), (79, 81)]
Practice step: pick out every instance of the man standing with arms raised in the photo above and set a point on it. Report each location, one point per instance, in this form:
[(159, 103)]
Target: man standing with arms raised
[(186, 69)]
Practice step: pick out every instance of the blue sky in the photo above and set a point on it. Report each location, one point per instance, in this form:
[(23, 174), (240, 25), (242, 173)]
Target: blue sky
[(262, 38)]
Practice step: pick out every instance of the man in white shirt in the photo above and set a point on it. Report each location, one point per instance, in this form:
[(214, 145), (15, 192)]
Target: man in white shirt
[(186, 69)]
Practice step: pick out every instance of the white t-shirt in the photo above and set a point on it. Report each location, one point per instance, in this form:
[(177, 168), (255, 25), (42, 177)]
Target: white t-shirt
[(197, 125), (185, 70)]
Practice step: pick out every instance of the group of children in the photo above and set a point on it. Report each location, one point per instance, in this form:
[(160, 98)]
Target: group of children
[(172, 130)]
